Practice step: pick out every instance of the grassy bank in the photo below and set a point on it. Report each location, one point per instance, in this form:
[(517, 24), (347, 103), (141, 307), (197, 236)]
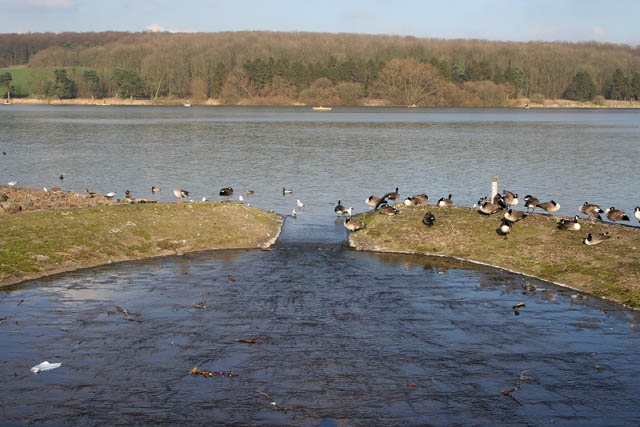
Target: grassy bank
[(535, 247), (36, 244)]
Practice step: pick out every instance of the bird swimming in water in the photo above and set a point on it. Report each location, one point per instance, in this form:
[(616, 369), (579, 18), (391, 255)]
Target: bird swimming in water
[(339, 209), (61, 177), (248, 192), (300, 204), (287, 190), (154, 189)]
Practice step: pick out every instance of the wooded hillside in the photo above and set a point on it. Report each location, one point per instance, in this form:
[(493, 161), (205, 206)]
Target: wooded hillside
[(318, 68)]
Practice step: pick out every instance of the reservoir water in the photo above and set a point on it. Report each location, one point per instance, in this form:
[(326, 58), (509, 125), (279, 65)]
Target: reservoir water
[(332, 336)]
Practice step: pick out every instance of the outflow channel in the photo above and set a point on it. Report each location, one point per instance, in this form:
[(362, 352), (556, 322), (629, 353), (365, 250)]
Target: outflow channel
[(313, 334)]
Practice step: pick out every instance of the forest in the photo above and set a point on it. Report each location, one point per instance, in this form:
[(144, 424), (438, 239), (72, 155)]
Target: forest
[(283, 68)]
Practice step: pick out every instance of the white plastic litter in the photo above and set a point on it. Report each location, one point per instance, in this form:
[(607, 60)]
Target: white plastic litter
[(45, 366)]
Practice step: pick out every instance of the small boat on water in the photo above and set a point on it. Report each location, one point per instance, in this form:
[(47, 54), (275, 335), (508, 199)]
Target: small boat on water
[(321, 108), (186, 104)]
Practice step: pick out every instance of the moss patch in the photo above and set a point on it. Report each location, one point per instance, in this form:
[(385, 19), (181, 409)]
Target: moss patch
[(535, 247), (35, 244)]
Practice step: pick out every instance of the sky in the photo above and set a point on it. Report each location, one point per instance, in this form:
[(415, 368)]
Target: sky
[(613, 21)]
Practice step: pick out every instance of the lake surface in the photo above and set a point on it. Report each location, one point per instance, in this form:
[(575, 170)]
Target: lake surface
[(342, 337)]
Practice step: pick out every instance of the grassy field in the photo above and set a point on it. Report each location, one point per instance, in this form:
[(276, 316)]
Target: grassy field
[(36, 244), (535, 247)]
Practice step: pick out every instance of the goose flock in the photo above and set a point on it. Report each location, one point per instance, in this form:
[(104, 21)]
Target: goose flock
[(504, 202)]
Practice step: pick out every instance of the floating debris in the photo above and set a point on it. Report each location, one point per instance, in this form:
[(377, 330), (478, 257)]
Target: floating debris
[(45, 366), (200, 305), (231, 279), (412, 385), (209, 374), (126, 312)]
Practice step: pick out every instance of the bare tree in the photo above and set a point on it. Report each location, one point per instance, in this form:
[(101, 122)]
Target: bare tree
[(408, 82)]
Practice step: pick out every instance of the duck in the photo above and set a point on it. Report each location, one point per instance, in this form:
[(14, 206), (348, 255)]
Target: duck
[(510, 199), (61, 177), (287, 190), (616, 215), (488, 208), (445, 203), (595, 238), (591, 210), (421, 199), (429, 219), (226, 192), (531, 202), (388, 210), (354, 225), (569, 224), (154, 189), (372, 201), (248, 192), (550, 206), (505, 228), (636, 213), (514, 216), (300, 204), (180, 194), (339, 209)]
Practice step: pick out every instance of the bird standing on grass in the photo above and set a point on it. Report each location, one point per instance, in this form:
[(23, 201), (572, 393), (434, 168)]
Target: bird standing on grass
[(180, 194), (429, 219)]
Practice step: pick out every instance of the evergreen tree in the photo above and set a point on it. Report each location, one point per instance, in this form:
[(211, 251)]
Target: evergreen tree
[(635, 86), (64, 87), (581, 87), (5, 81), (618, 88)]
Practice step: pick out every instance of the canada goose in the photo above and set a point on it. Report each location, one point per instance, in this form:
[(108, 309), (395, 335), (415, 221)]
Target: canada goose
[(497, 198), (421, 199), (127, 194), (514, 216), (510, 199), (429, 219), (550, 206), (595, 238), (300, 204), (394, 195), (505, 228), (388, 210), (248, 192), (154, 189), (445, 203), (339, 209), (180, 194), (354, 225), (531, 202), (591, 210), (490, 208), (410, 201), (616, 215), (569, 224), (636, 213), (372, 201), (226, 192), (286, 190)]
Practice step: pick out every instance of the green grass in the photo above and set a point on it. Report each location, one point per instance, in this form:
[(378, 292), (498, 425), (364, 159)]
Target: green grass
[(34, 244)]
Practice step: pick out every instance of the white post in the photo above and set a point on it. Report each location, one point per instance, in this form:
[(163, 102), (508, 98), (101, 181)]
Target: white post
[(494, 186)]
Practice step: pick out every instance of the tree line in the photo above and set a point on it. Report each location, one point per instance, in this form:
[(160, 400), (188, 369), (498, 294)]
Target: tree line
[(337, 69)]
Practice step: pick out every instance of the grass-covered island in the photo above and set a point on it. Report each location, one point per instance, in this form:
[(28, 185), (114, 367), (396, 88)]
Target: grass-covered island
[(40, 243), (535, 247)]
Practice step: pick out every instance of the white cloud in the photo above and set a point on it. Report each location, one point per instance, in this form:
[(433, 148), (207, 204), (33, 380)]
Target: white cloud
[(155, 28)]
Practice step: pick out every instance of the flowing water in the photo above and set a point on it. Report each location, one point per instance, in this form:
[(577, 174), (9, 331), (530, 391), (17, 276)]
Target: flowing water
[(339, 337)]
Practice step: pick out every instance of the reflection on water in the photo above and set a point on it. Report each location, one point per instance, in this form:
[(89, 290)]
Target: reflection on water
[(343, 338)]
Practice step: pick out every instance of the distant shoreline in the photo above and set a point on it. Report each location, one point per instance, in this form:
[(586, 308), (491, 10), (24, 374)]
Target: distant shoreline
[(257, 102)]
